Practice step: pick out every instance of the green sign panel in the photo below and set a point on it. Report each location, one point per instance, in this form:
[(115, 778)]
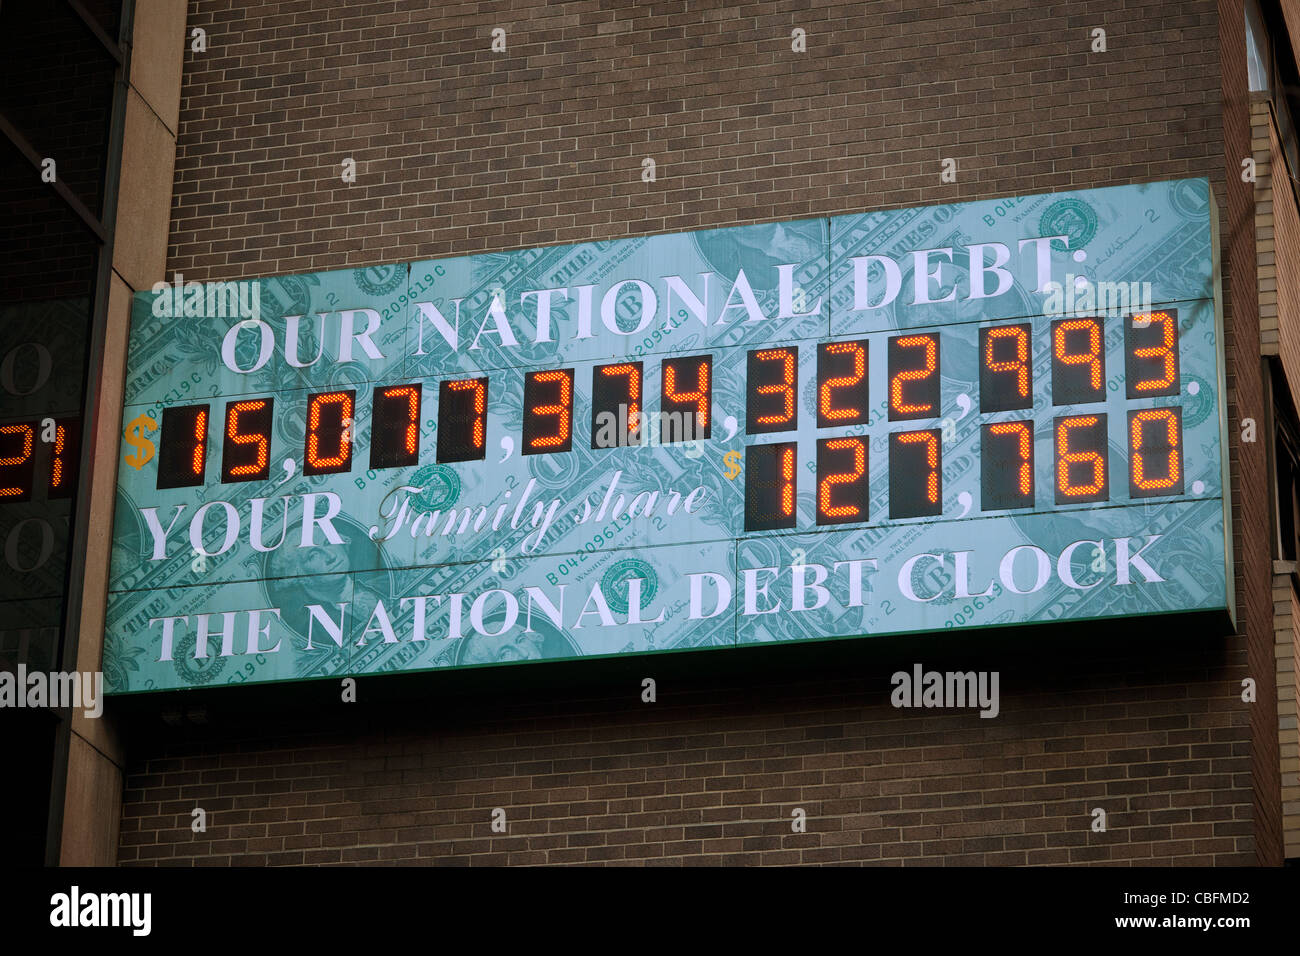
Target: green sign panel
[(960, 416)]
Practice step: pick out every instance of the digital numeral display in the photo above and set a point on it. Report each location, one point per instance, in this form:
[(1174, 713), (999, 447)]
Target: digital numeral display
[(770, 402), (1006, 377), (17, 461), (548, 411), (1082, 459), (913, 377), (616, 416), (770, 486), (1078, 362), (1008, 480), (462, 420), (246, 451), (183, 447), (395, 426), (1006, 465), (915, 474), (1155, 450), (843, 488), (842, 394), (63, 458), (687, 399), (1151, 354), (329, 433)]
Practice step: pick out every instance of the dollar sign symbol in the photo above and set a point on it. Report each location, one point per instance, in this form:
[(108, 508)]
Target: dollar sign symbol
[(134, 436), (732, 460)]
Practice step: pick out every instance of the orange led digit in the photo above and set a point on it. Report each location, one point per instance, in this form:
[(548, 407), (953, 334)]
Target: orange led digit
[(329, 433), (246, 453), (410, 434), (1155, 434), (632, 372), (616, 415), (19, 441), (1081, 452), (1024, 447), (1006, 379), (787, 481), (687, 391), (769, 406), (62, 462), (1007, 466), (1151, 360), (913, 377), (770, 487), (395, 426), (198, 460), (841, 480), (183, 447), (931, 459), (56, 461), (915, 481), (842, 383), (1078, 362), (541, 435), (462, 420), (560, 409), (478, 388)]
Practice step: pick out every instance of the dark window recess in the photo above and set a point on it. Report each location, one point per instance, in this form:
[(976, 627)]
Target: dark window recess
[(1286, 457)]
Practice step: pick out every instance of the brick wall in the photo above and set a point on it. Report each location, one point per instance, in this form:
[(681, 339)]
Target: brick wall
[(712, 772), (463, 151), (1287, 650)]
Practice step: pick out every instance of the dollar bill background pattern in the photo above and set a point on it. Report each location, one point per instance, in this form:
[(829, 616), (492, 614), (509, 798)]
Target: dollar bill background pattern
[(1160, 233)]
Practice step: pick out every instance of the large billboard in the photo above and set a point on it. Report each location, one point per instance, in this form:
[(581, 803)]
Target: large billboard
[(959, 416)]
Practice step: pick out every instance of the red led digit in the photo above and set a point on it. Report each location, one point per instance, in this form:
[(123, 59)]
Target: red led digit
[(329, 433), (841, 398), (842, 493), (1081, 459), (16, 465), (548, 425), (770, 403), (913, 376), (1155, 433), (246, 455)]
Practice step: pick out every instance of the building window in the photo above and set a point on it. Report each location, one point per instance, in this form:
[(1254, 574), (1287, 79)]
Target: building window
[(1259, 54)]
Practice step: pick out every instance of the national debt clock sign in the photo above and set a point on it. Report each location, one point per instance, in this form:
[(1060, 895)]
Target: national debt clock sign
[(964, 416)]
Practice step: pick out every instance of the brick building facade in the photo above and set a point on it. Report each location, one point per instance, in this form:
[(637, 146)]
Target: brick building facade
[(461, 150)]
